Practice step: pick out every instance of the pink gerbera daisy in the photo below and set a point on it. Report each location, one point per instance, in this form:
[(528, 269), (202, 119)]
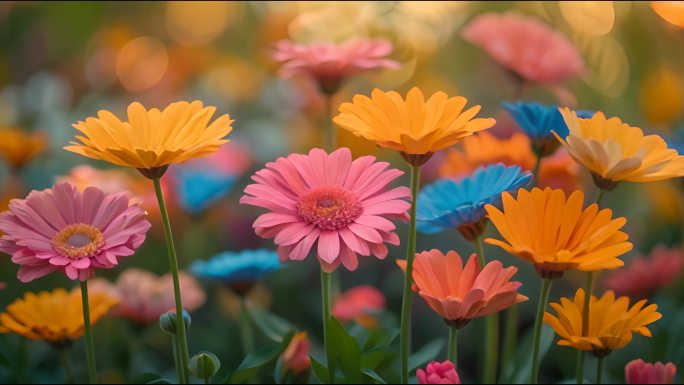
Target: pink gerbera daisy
[(329, 64), (71, 231), (343, 205)]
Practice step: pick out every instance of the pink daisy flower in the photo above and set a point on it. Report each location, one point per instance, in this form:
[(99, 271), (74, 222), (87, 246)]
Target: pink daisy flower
[(643, 276), (526, 46), (63, 229), (342, 205), (330, 64)]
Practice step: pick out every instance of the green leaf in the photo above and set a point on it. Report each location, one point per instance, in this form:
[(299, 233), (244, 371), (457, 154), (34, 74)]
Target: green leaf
[(520, 371), (273, 326), (346, 352), (160, 381), (380, 337), (320, 371), (374, 376), (261, 358), (372, 359), (426, 354)]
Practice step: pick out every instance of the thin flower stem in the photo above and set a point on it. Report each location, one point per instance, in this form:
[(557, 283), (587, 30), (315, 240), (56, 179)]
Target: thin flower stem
[(599, 196), (330, 131), (588, 290), (66, 364), (452, 353), (491, 352), (408, 279), (511, 338), (247, 332), (599, 370), (90, 349), (325, 294), (543, 301), (173, 262), (535, 171), (176, 358)]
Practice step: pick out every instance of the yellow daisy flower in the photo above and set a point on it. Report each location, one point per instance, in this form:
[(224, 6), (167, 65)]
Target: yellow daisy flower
[(151, 140), (614, 151), (612, 322), (55, 317), (18, 147), (413, 126)]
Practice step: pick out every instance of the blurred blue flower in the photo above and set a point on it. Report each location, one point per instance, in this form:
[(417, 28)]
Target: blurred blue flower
[(238, 267), (538, 120), (585, 114), (450, 204), (198, 190)]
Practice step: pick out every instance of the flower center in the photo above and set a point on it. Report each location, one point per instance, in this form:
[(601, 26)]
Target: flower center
[(329, 208), (78, 241)]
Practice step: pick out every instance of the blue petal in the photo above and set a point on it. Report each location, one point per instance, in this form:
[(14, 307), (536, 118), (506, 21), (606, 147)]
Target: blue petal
[(243, 266)]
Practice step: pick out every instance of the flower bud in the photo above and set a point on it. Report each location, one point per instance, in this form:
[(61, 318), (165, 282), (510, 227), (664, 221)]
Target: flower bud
[(204, 365), (167, 321)]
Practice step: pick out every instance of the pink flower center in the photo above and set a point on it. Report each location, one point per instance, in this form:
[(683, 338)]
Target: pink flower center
[(329, 208), (78, 241)]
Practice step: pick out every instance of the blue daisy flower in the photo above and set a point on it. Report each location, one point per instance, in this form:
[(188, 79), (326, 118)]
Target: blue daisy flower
[(241, 267), (451, 204), (538, 120), (200, 189)]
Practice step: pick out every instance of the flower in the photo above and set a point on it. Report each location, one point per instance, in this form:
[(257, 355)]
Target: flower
[(63, 229), (239, 270), (614, 151), (18, 147), (556, 234), (536, 120), (200, 183), (359, 304), (525, 46), (438, 373), (342, 205), (460, 294), (639, 372), (151, 139), (670, 11), (55, 317), (448, 204), (611, 322), (330, 64), (560, 171), (144, 297), (644, 276), (296, 356), (412, 126)]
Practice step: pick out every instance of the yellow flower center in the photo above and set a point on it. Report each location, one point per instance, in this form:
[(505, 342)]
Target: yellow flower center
[(78, 241)]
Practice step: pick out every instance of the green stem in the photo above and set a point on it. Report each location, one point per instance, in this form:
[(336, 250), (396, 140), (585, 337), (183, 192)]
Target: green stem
[(177, 358), (535, 171), (511, 338), (408, 279), (491, 352), (452, 353), (543, 301), (588, 289), (66, 365), (173, 262), (599, 370), (247, 332), (325, 290), (599, 196), (90, 349), (330, 131)]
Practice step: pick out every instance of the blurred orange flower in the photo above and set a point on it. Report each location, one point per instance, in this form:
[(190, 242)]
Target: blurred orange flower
[(19, 147), (358, 304)]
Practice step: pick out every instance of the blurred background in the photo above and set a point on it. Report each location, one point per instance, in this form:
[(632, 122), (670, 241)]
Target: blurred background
[(61, 62)]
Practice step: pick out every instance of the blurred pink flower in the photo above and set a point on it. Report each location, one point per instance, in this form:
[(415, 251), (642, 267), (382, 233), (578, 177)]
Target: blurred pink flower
[(643, 276), (526, 46), (330, 64), (639, 372), (358, 304), (144, 297), (3, 285), (438, 373), (63, 229), (296, 356), (344, 205)]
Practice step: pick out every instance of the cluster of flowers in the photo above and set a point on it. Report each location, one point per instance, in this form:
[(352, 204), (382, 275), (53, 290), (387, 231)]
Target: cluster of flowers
[(343, 208)]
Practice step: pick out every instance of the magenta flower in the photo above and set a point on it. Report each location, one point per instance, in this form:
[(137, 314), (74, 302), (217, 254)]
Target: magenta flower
[(438, 373), (526, 46), (643, 276), (342, 205), (330, 64), (63, 229), (639, 372), (144, 297)]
